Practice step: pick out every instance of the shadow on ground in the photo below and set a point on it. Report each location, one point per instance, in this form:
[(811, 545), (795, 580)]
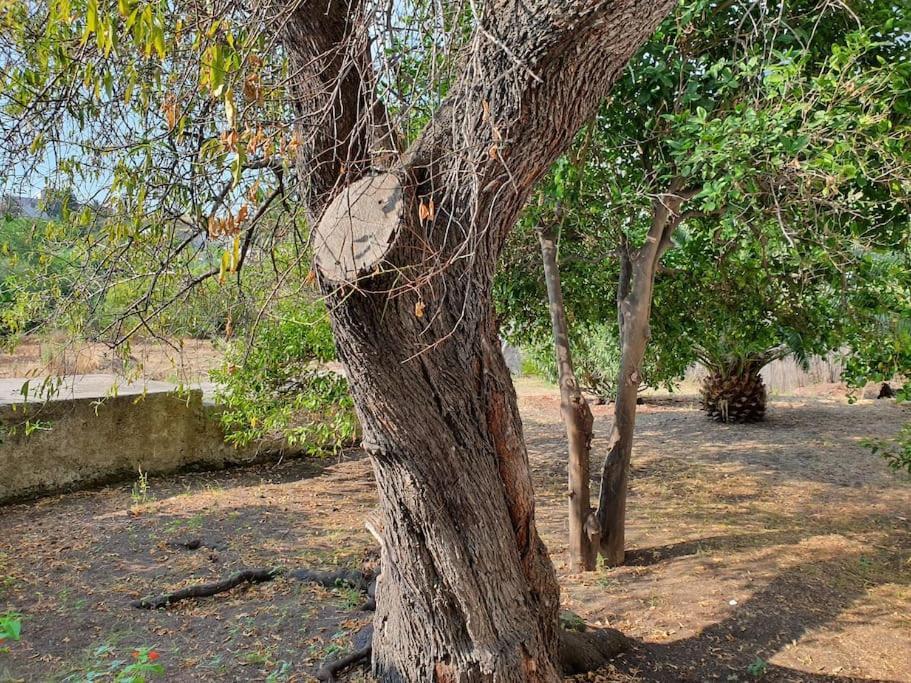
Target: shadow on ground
[(783, 612)]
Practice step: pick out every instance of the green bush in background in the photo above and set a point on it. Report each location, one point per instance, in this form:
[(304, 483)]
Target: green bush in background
[(278, 385)]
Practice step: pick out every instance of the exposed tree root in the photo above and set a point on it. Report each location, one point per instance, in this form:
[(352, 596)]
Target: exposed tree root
[(207, 589), (361, 643), (348, 577), (362, 581), (581, 649), (330, 669), (581, 652)]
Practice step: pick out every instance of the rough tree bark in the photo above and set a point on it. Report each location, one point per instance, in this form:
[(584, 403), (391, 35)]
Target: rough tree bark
[(634, 304), (577, 418), (467, 591)]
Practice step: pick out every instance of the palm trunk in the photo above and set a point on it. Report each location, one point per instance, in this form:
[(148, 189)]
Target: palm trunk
[(734, 390), (577, 419)]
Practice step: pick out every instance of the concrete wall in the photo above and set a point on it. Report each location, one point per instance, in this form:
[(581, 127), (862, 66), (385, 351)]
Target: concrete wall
[(92, 439)]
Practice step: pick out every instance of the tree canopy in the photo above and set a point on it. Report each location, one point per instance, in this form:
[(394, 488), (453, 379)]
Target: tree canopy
[(789, 137)]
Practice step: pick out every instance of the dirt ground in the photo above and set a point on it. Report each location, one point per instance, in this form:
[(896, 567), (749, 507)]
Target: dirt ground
[(188, 360), (776, 552)]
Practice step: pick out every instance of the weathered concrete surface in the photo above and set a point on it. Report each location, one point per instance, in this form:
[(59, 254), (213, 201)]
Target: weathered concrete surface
[(78, 386), (85, 435)]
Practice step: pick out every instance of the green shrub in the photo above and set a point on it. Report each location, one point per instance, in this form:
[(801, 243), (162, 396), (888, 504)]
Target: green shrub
[(596, 360), (33, 276), (278, 385), (10, 626)]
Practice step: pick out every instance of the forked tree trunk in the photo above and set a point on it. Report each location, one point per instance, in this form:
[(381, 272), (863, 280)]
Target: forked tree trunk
[(577, 419), (634, 305), (467, 592)]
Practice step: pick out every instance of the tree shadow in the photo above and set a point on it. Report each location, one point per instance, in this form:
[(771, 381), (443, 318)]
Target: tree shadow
[(799, 440), (647, 557), (799, 600), (97, 557), (265, 468)]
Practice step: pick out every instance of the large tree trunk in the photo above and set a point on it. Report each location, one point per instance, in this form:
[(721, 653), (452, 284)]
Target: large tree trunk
[(467, 591), (577, 418)]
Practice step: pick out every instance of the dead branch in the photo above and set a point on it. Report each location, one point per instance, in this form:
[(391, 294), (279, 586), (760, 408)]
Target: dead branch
[(362, 581), (207, 589)]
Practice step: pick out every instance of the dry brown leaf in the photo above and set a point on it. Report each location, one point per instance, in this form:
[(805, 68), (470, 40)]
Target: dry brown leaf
[(170, 111)]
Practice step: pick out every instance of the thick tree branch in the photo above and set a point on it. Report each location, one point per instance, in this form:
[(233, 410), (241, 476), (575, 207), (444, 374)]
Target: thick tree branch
[(339, 120), (509, 127)]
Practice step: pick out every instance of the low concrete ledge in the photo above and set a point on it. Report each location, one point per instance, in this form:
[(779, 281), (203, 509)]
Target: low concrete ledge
[(87, 435)]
